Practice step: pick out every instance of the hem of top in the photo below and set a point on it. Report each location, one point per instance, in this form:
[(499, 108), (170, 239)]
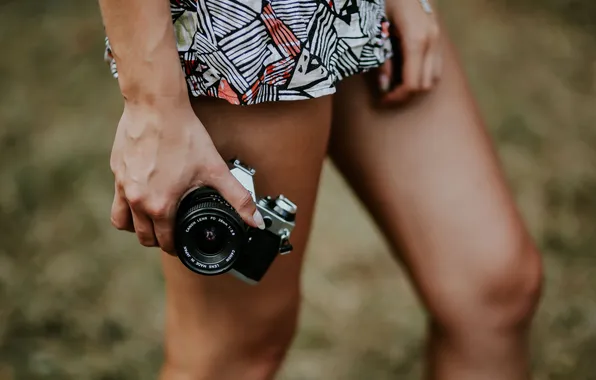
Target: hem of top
[(313, 94)]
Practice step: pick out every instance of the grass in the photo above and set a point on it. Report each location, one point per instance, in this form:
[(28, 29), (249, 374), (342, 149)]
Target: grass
[(81, 301)]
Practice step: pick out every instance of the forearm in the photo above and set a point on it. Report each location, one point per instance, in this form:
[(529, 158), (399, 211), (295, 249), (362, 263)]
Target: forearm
[(143, 44)]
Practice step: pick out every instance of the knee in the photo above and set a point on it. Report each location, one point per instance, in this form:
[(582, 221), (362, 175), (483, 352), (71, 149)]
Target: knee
[(499, 295), (511, 289)]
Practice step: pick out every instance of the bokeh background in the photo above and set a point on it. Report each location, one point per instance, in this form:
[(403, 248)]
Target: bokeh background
[(79, 300)]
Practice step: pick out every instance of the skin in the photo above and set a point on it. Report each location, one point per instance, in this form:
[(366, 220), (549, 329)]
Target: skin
[(419, 36), (161, 149), (249, 327), (428, 175)]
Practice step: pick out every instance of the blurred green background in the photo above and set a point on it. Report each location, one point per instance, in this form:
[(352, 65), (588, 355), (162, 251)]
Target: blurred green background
[(79, 300)]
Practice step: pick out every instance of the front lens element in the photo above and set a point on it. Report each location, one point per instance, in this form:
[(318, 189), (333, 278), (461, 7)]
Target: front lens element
[(209, 233), (211, 237)]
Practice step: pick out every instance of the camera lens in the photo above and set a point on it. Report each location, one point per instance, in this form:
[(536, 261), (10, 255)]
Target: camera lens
[(209, 232), (210, 237)]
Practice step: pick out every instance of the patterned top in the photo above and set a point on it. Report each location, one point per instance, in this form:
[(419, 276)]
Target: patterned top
[(254, 51)]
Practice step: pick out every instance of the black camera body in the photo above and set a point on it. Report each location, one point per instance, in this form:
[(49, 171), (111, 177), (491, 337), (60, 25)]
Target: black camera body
[(212, 239)]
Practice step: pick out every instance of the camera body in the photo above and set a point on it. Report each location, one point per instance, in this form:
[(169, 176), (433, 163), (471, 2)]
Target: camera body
[(212, 239)]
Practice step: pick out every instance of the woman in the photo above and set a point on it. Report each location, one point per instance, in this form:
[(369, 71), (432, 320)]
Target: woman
[(426, 171)]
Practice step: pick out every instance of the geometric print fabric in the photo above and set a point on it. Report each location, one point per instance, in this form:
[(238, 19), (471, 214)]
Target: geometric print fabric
[(254, 51)]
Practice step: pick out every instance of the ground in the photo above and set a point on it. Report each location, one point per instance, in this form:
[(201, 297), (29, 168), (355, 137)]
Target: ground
[(79, 300)]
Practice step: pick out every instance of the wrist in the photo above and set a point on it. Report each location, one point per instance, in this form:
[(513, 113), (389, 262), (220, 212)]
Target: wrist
[(145, 78), (152, 89)]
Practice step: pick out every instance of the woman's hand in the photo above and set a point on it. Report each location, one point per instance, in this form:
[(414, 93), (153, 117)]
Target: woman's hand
[(160, 152), (418, 34), (161, 149)]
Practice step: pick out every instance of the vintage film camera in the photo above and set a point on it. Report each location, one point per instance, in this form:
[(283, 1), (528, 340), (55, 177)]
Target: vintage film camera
[(212, 239)]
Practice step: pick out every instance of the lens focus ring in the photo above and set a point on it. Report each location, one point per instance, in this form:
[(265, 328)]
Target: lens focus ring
[(209, 235)]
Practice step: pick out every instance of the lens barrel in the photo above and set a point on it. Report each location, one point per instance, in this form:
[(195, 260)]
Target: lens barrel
[(209, 233)]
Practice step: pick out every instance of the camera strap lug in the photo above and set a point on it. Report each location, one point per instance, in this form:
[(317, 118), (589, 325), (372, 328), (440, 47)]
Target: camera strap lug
[(285, 248)]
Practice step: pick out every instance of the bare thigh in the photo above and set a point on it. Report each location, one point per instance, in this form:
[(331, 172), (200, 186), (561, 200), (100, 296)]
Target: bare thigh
[(429, 175), (213, 316)]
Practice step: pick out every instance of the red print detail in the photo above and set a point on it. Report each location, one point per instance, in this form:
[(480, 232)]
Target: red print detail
[(226, 92), (283, 37), (385, 29)]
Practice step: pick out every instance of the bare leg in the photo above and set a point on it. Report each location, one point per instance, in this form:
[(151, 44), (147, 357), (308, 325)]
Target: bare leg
[(428, 174), (218, 327)]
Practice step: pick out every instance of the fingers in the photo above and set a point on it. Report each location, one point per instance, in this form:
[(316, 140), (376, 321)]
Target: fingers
[(419, 44), (414, 53), (438, 66), (120, 215), (151, 216), (163, 227), (152, 221), (432, 61), (427, 72), (144, 228), (228, 186), (385, 76)]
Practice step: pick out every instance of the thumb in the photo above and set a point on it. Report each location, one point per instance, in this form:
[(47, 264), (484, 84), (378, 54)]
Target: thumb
[(384, 78), (239, 198)]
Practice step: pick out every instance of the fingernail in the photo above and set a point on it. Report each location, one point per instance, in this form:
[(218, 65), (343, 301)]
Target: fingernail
[(384, 82), (258, 218)]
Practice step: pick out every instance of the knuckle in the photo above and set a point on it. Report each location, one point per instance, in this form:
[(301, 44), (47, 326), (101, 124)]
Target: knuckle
[(135, 198), (136, 201), (157, 208), (245, 201), (118, 185)]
